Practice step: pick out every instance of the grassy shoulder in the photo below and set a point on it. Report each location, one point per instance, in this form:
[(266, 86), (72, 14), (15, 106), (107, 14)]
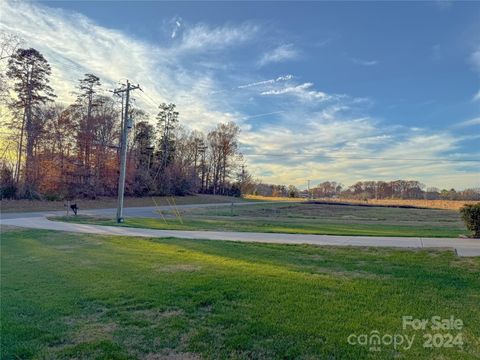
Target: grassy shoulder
[(111, 202), (108, 297), (271, 227), (302, 219)]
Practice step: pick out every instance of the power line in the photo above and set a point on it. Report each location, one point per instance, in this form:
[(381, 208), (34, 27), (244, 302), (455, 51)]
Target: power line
[(148, 99)]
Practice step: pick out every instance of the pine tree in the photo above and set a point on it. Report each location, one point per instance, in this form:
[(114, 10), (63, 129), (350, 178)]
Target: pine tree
[(167, 119), (87, 99), (29, 72)]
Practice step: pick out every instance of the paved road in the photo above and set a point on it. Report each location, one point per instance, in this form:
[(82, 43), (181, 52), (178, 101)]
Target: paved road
[(146, 211), (463, 247)]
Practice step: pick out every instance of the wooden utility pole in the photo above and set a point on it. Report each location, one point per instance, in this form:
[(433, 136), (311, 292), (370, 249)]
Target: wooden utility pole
[(203, 150), (123, 150)]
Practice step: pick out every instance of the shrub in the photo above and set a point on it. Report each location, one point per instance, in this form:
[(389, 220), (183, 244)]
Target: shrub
[(8, 188), (8, 191), (471, 216), (50, 196)]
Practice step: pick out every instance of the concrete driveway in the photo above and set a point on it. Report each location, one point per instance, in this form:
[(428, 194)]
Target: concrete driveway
[(463, 247)]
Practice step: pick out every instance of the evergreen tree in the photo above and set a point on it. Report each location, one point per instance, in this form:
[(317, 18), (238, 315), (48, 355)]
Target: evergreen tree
[(87, 99), (29, 72), (167, 119)]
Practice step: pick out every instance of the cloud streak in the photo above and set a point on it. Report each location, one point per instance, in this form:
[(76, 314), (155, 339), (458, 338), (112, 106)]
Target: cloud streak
[(363, 62), (281, 53), (303, 92), (475, 60), (476, 97), (205, 38), (471, 122), (266, 82)]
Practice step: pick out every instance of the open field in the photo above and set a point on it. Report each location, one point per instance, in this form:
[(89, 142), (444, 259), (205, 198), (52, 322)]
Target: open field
[(432, 204), (111, 202), (304, 219), (69, 296)]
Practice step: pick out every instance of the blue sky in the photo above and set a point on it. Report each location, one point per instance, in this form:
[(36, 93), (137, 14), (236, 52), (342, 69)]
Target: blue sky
[(353, 81)]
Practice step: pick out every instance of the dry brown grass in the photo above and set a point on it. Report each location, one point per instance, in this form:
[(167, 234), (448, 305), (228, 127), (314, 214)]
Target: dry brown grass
[(431, 204), (111, 202), (273, 198)]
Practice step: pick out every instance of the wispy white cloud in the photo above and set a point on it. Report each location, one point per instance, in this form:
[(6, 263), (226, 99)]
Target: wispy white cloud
[(318, 123), (302, 91), (205, 38), (364, 62), (476, 97), (471, 122), (348, 149), (74, 45), (177, 25), (475, 60), (279, 54)]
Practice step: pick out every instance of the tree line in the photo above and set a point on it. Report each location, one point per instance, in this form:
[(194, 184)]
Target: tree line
[(53, 150), (72, 150), (398, 189)]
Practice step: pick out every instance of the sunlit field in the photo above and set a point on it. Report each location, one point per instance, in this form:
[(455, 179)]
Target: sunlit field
[(433, 204), (303, 218), (71, 296)]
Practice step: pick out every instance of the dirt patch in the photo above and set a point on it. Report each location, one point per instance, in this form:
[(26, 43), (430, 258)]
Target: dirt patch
[(87, 263), (94, 332), (95, 312), (85, 329), (347, 273), (10, 228), (469, 264), (316, 257), (153, 315), (66, 248), (172, 356), (177, 268)]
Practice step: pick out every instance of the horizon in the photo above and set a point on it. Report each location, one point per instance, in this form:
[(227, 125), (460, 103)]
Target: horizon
[(320, 95)]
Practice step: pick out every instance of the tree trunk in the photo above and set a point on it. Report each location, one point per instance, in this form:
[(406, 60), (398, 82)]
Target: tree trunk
[(29, 180), (20, 148)]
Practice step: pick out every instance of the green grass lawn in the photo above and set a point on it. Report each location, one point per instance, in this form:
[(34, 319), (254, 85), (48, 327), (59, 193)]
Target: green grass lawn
[(305, 219), (80, 296)]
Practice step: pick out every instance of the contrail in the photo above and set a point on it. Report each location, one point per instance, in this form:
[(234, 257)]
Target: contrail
[(259, 115), (265, 82), (258, 83)]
